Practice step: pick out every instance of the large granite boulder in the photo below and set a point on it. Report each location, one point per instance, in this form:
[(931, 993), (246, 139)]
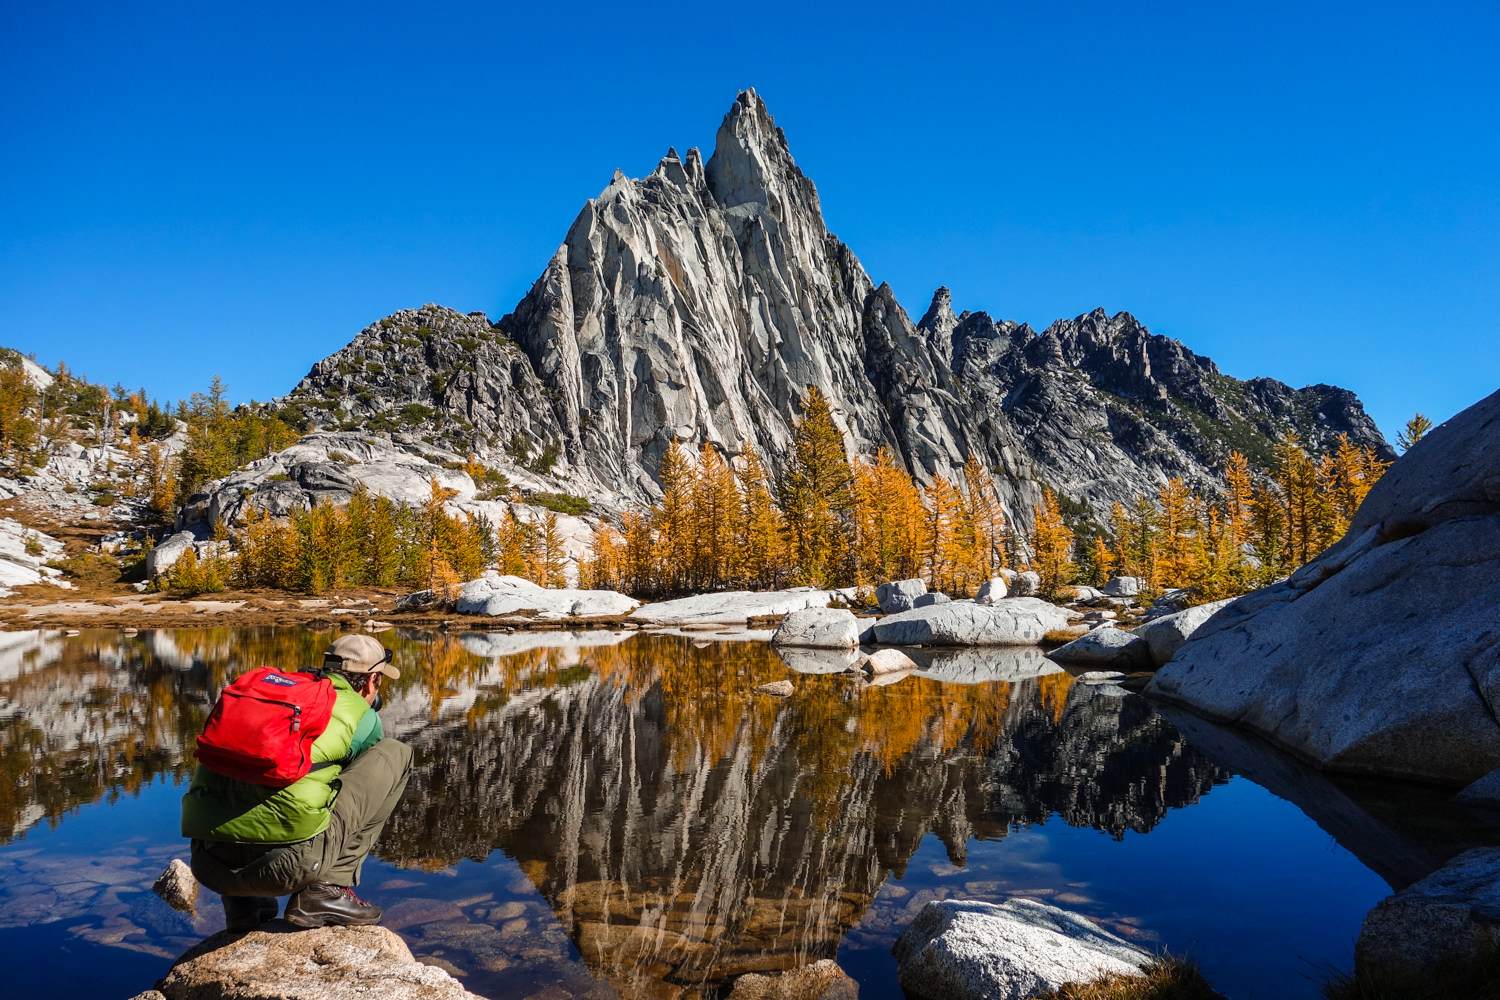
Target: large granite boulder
[(992, 591), (1123, 586), (899, 595), (819, 628), (1452, 915), (509, 595), (1381, 656), (1165, 636), (166, 553), (732, 607), (279, 962), (1105, 647), (968, 950), (1015, 621)]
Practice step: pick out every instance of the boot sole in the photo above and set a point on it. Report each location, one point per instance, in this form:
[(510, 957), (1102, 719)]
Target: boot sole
[(309, 921)]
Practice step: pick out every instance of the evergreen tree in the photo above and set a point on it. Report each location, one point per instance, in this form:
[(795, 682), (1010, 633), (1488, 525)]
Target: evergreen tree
[(1415, 430), (672, 521), (1052, 545), (816, 491), (762, 550)]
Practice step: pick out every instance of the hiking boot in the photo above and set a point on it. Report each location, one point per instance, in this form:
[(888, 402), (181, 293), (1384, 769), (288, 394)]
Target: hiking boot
[(324, 903), (245, 913)]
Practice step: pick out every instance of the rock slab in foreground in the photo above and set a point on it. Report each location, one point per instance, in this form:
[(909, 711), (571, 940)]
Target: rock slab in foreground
[(1451, 915), (1105, 647), (1014, 621), (508, 595), (329, 963), (1381, 656), (963, 949), (819, 628)]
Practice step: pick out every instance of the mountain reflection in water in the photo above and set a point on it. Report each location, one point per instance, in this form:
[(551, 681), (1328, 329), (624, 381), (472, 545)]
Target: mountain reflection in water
[(683, 829), (686, 830)]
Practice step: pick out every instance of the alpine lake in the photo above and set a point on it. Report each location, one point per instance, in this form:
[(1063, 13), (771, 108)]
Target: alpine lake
[(608, 814)]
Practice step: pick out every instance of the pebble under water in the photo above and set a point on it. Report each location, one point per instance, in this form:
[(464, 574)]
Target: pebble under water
[(617, 814)]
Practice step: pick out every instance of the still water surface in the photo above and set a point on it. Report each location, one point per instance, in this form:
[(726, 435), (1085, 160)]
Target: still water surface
[(618, 815)]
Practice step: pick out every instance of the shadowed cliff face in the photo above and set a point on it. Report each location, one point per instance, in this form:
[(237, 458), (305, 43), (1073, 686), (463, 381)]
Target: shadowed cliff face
[(698, 303), (685, 830)]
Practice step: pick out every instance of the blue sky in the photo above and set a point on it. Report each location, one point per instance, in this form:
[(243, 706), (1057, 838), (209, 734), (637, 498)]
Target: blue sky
[(1305, 191)]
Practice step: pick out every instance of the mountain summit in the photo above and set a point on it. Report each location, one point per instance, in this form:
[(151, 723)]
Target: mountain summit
[(700, 302)]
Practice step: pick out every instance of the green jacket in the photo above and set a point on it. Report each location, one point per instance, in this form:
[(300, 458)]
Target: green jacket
[(223, 809)]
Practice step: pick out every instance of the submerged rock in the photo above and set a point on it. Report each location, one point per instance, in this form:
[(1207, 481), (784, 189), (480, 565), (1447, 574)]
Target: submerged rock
[(819, 628), (1014, 621), (962, 949), (1105, 647), (327, 963), (781, 689), (822, 980), (1382, 655), (1452, 915)]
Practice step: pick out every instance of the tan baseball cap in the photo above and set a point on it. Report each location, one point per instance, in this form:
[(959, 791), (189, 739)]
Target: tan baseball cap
[(360, 654)]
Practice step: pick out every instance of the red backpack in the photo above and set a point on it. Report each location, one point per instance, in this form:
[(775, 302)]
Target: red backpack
[(263, 726)]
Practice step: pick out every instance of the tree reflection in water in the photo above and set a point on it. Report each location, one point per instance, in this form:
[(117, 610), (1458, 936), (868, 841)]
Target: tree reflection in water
[(686, 830), (682, 828)]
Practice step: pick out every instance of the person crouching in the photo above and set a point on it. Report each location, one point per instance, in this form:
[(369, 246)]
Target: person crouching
[(308, 839)]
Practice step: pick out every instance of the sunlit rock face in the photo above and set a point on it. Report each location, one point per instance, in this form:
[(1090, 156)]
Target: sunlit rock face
[(698, 303), (687, 830)]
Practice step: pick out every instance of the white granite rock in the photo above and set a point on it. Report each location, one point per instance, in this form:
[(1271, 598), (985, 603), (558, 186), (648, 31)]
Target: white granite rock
[(1381, 656), (166, 553), (1164, 636), (1013, 621), (969, 950), (507, 595), (1123, 586), (819, 628), (731, 606), (1028, 582), (1105, 647), (899, 595), (887, 661), (992, 590)]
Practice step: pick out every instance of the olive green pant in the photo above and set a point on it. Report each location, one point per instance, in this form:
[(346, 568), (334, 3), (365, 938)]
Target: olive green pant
[(369, 789)]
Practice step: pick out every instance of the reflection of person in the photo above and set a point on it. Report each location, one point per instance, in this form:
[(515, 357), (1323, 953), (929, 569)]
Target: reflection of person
[(251, 843)]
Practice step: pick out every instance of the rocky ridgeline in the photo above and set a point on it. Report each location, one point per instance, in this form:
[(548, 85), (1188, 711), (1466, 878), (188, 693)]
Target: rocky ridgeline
[(700, 302)]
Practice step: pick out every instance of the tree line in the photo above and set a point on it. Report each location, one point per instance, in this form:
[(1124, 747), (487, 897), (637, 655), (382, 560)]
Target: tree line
[(377, 542), (830, 522)]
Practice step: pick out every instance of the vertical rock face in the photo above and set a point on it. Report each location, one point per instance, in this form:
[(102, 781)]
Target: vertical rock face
[(700, 302)]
